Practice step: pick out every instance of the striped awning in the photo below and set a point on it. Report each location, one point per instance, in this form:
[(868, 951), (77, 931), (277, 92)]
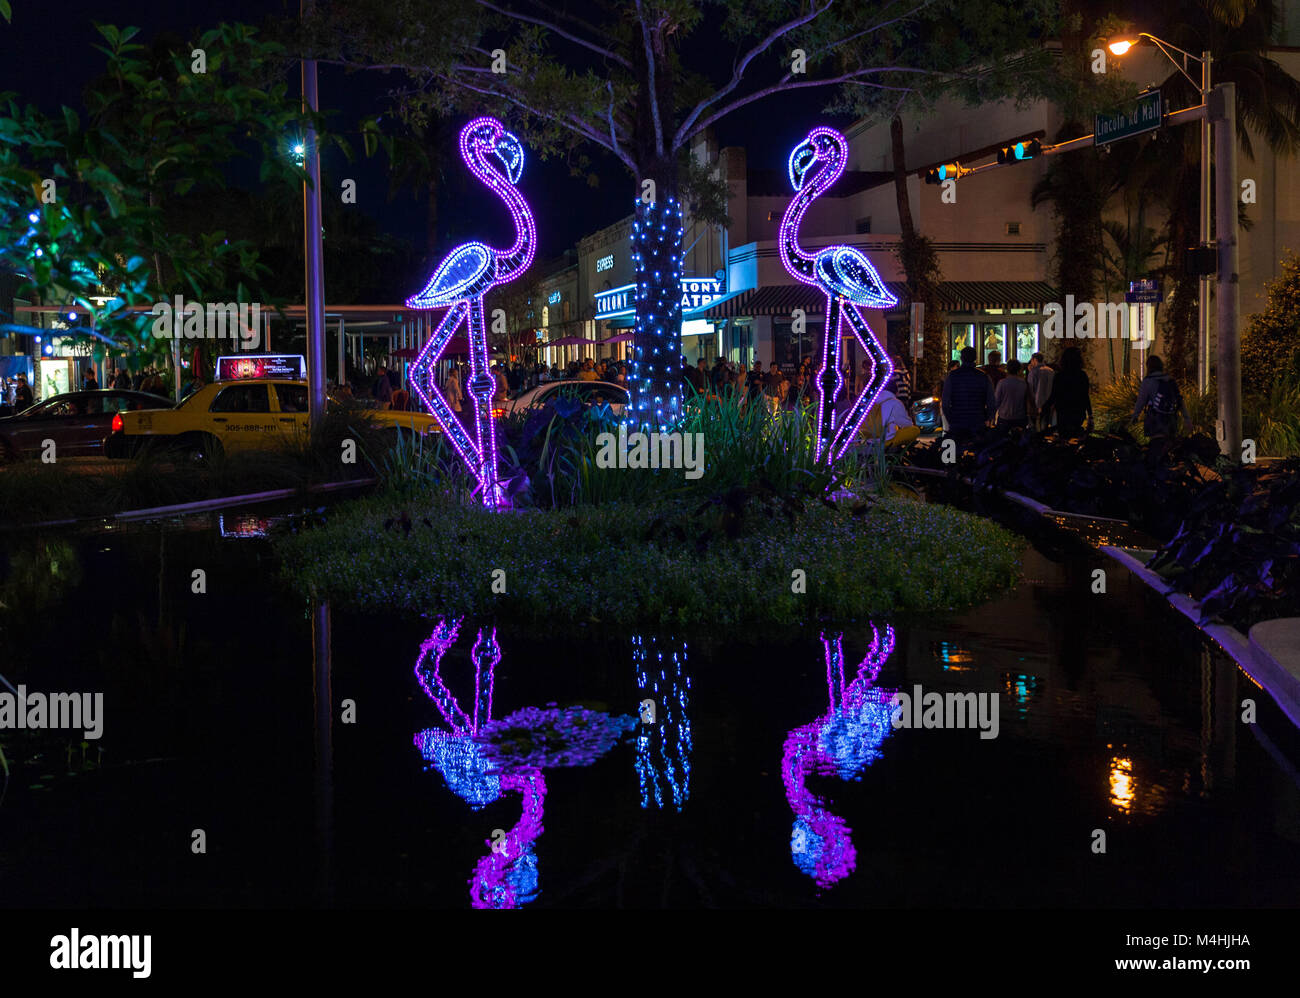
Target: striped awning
[(955, 296), (973, 296)]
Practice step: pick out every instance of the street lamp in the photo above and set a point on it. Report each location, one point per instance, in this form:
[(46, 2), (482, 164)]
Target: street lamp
[(1118, 47)]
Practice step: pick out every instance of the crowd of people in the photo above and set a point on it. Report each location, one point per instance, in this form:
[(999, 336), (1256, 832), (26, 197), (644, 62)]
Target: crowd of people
[(1037, 395), (1044, 396)]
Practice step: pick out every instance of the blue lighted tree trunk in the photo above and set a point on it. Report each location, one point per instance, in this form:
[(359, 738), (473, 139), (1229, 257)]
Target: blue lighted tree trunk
[(655, 379)]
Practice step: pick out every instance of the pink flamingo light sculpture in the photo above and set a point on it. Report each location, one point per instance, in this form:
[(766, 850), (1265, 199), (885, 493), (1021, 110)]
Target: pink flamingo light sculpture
[(849, 282), (459, 283)]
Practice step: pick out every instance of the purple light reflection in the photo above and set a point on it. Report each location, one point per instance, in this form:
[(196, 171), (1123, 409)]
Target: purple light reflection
[(841, 743)]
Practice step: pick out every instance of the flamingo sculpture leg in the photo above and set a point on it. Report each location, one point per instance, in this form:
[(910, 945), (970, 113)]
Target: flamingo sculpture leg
[(459, 283), (849, 282)]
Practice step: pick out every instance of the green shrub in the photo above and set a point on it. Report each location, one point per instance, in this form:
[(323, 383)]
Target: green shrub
[(726, 562)]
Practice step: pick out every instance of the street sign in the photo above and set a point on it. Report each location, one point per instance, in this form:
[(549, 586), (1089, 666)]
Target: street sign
[(1144, 291), (1146, 114), (916, 329)]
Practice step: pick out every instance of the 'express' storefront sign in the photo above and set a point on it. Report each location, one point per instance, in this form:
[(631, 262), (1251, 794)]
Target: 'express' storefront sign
[(696, 292)]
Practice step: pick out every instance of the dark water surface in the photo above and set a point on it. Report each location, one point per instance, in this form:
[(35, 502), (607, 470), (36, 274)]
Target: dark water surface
[(764, 780)]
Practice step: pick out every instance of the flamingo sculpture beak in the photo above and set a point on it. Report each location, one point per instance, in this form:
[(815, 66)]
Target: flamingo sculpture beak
[(801, 160), (509, 152)]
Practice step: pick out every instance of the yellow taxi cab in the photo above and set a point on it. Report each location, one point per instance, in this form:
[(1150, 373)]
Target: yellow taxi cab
[(246, 415)]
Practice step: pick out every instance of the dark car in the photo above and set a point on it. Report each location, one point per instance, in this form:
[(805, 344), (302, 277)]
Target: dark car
[(77, 422)]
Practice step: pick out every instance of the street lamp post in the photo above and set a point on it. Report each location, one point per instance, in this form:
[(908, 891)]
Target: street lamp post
[(1203, 280), (312, 249)]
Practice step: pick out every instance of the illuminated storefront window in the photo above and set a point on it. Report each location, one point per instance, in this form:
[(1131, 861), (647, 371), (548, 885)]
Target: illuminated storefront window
[(1026, 341), (962, 335), (994, 340)]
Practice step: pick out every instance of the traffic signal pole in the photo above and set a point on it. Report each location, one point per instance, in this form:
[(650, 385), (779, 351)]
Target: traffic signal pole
[(1221, 111)]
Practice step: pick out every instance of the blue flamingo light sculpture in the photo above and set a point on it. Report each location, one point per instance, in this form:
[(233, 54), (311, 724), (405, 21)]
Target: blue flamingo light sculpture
[(849, 281), (459, 283)]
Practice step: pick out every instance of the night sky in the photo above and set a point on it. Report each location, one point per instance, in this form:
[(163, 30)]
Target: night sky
[(49, 59)]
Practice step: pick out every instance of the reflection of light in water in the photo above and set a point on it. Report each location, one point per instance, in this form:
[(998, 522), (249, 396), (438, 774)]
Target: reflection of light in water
[(663, 749), (1129, 794), (1122, 785), (507, 876), (462, 764), (1021, 687), (954, 657), (841, 743), (482, 759)]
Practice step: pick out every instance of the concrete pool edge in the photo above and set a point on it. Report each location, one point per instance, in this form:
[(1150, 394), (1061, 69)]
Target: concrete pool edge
[(197, 506), (1269, 655)]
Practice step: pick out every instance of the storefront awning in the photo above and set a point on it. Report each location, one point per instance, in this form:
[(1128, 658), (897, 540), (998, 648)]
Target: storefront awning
[(955, 296), (974, 296)]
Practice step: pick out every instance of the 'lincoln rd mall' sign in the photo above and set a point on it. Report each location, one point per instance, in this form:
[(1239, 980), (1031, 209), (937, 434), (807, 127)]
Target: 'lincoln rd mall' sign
[(696, 292)]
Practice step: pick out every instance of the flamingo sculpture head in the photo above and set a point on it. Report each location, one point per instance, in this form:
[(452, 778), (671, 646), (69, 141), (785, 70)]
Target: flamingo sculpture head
[(495, 157), (815, 165)]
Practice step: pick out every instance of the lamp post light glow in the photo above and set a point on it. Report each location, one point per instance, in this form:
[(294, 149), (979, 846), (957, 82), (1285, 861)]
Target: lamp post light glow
[(1121, 46)]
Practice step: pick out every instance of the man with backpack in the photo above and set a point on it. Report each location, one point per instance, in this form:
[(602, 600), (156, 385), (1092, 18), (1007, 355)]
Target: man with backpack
[(1159, 402)]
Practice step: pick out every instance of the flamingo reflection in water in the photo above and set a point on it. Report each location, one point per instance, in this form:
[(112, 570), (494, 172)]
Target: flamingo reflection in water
[(841, 743), (482, 759)]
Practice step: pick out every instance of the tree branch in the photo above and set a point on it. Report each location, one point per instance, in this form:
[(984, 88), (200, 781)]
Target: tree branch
[(739, 71), (557, 30), (874, 28), (568, 121), (613, 136), (650, 79), (784, 86)]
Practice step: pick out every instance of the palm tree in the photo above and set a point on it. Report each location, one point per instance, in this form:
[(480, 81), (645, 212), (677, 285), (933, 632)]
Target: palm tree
[(1237, 33), (1162, 173)]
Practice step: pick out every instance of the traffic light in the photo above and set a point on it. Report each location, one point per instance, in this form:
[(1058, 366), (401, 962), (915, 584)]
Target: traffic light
[(1201, 261), (1020, 151), (946, 171)]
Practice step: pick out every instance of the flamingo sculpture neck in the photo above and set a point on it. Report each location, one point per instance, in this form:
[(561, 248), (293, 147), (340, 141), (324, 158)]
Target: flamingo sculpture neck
[(831, 152), (512, 262)]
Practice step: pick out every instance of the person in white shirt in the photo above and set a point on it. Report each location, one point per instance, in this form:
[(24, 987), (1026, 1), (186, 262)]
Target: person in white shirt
[(1040, 378), (451, 388)]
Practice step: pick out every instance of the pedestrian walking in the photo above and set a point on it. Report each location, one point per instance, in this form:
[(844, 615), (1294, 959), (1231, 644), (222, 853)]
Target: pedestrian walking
[(1039, 379), (968, 402), (1015, 404), (1071, 398), (1159, 402)]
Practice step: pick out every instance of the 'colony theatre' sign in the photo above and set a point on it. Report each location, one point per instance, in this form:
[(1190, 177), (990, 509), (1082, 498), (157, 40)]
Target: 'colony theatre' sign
[(696, 293)]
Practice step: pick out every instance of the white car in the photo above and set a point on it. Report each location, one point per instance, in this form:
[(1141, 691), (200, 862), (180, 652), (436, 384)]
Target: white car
[(587, 392)]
